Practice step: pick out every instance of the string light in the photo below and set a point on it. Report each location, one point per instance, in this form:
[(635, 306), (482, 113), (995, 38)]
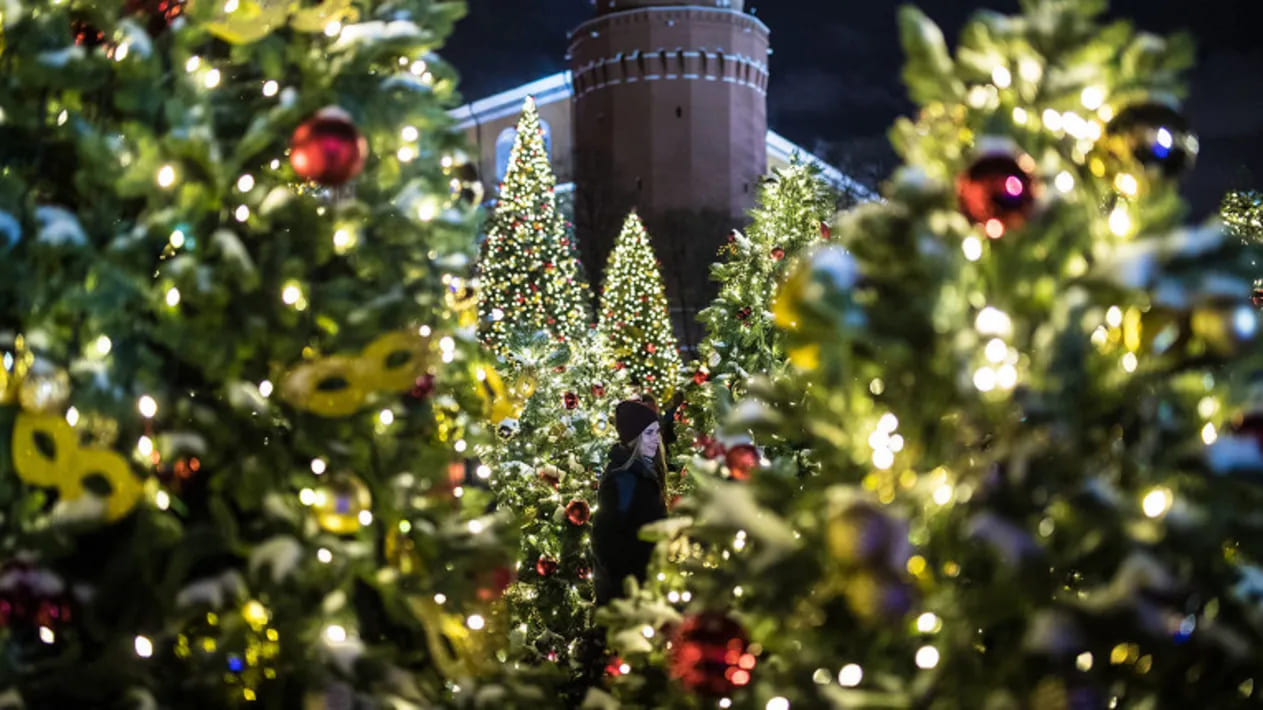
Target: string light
[(173, 297), (972, 246), (148, 407), (103, 345), (270, 88), (927, 657), (72, 416), (335, 633), (1001, 77), (850, 675), (475, 622), (212, 78), (1157, 502), (265, 388), (192, 64), (166, 176), (324, 555), (1092, 97), (143, 646), (1064, 182)]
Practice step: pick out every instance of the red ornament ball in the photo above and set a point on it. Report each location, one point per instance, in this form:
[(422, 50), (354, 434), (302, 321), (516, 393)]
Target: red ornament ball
[(492, 583), (998, 192), (825, 232), (777, 253), (710, 656), (583, 572), (570, 400), (328, 148), (711, 448), (598, 390), (546, 566), (651, 348), (578, 512), (742, 460), (701, 377)]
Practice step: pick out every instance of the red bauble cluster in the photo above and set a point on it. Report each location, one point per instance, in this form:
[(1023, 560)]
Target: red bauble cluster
[(327, 148), (777, 253), (710, 656), (86, 34), (742, 460), (546, 566), (710, 447), (578, 512), (31, 598), (570, 400), (744, 312), (998, 192), (159, 14)]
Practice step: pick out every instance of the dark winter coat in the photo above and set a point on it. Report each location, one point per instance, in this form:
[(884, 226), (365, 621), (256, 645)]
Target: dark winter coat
[(626, 500)]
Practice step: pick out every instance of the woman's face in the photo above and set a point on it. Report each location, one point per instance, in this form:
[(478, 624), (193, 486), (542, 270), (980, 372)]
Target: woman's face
[(649, 440)]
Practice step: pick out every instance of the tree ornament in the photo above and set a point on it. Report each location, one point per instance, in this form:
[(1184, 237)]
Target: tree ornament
[(423, 388), (1156, 135), (246, 21), (570, 400), (709, 654), (860, 534), (86, 34), (508, 428), (701, 376), (825, 232), (651, 348), (45, 389), (1256, 295), (879, 596), (490, 584), (549, 474), (327, 148), (998, 191), (578, 512), (341, 504), (546, 566), (598, 390), (31, 598), (742, 460), (777, 253), (47, 453), (159, 14)]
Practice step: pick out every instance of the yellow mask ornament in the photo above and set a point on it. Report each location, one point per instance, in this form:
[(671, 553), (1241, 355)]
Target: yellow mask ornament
[(47, 453), (340, 385)]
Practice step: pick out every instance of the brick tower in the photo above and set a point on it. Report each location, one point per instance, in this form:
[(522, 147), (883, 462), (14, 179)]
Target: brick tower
[(670, 117)]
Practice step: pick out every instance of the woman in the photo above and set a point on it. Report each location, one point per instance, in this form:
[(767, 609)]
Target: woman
[(631, 495)]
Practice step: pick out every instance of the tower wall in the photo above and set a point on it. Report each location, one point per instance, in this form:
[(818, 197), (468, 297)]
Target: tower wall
[(670, 117)]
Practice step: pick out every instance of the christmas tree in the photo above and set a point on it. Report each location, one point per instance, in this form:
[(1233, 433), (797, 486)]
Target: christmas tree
[(237, 401), (1020, 382), (791, 213), (1242, 212), (530, 279), (544, 466), (635, 321)]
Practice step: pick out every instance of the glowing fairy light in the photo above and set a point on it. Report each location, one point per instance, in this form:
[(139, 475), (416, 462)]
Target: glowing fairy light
[(103, 345), (1092, 97), (148, 407), (271, 88), (1064, 182), (1001, 77), (927, 657), (166, 176), (972, 247), (850, 675), (143, 646), (1157, 502)]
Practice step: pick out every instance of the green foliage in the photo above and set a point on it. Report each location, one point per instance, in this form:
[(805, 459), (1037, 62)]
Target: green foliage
[(1242, 213), (171, 291), (1033, 486)]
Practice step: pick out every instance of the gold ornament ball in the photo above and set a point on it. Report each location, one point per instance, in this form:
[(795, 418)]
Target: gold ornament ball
[(340, 502), (45, 391)]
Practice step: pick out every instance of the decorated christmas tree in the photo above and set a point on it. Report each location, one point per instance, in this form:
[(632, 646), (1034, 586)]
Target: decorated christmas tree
[(791, 213), (635, 322), (236, 408), (544, 466), (1027, 391), (530, 278), (1242, 212)]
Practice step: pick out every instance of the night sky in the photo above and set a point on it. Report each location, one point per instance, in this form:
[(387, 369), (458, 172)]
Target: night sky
[(835, 85)]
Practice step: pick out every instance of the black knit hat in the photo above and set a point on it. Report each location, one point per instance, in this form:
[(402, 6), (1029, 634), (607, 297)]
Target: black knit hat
[(631, 418)]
